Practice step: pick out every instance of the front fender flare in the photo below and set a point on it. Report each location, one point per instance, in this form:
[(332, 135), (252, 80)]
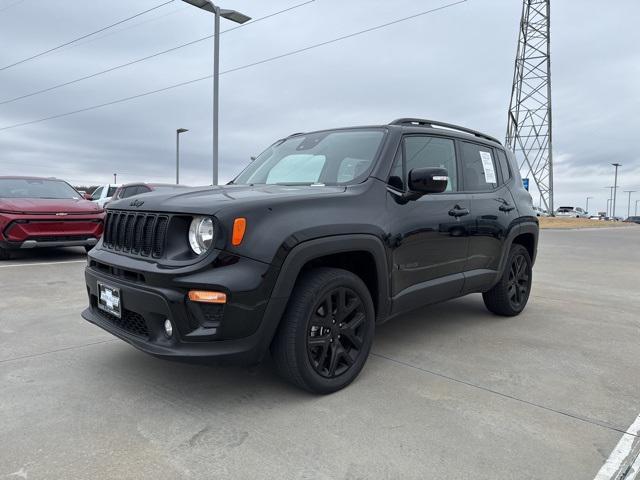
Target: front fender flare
[(309, 250)]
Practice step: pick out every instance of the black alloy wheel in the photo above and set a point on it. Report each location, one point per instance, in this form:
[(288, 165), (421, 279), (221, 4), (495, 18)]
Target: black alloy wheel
[(519, 281), (510, 295), (336, 332), (326, 333)]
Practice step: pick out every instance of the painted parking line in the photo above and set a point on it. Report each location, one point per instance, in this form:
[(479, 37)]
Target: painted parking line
[(619, 464), (40, 264), (634, 472)]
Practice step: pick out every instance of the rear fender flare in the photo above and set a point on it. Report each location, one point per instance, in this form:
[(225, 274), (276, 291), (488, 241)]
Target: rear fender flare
[(522, 228)]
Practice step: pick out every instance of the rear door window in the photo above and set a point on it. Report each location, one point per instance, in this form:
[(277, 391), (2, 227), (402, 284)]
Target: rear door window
[(479, 167)]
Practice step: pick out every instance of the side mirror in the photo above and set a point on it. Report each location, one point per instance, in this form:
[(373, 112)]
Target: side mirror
[(428, 180)]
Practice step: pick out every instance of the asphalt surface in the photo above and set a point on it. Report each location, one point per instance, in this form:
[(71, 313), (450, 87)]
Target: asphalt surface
[(450, 391)]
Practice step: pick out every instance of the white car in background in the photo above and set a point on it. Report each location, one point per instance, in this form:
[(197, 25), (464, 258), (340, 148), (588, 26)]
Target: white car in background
[(575, 212), (103, 194), (541, 212)]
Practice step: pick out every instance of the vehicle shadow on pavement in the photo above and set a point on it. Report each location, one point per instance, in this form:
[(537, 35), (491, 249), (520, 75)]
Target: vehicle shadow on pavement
[(139, 375), (444, 319)]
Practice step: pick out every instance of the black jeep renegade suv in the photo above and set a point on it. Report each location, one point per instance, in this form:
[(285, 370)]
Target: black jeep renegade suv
[(320, 238)]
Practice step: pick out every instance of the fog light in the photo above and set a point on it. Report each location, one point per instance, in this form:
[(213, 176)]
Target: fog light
[(168, 328)]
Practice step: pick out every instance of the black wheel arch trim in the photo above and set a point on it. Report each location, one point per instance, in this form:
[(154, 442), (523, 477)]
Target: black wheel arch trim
[(309, 250), (524, 227)]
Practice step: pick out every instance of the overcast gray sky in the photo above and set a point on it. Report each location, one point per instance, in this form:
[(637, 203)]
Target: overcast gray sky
[(454, 65)]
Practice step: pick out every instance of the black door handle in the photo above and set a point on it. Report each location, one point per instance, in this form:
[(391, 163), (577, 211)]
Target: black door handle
[(506, 207), (458, 212)]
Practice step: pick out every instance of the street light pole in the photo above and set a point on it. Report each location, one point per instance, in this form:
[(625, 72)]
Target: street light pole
[(587, 208), (615, 188), (234, 16), (629, 204), (115, 177), (178, 132), (216, 85), (636, 207)]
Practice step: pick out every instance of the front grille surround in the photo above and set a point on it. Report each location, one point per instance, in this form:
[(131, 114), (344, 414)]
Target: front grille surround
[(136, 233)]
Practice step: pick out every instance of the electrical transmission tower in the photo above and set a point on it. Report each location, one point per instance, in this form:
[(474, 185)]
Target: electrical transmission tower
[(529, 124)]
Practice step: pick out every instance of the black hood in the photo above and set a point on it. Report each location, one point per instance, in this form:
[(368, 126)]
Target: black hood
[(210, 200)]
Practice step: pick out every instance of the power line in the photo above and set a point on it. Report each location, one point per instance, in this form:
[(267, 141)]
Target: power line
[(260, 62), (85, 36), (148, 57), (115, 31)]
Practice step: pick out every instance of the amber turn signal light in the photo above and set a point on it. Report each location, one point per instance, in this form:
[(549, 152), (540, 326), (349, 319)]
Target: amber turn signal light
[(239, 227), (204, 296)]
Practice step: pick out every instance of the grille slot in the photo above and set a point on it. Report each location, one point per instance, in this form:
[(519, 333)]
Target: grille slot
[(137, 233), (160, 234)]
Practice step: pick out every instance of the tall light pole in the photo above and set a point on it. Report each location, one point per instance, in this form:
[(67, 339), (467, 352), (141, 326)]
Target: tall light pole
[(234, 16), (115, 178), (636, 207), (615, 188), (629, 204), (178, 132), (587, 208)]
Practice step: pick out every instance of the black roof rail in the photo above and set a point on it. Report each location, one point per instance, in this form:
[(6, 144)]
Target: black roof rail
[(432, 123)]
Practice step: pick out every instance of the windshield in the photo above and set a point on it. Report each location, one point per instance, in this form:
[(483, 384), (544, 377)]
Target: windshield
[(35, 188), (329, 158)]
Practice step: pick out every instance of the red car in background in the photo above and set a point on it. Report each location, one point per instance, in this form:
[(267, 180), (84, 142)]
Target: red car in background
[(45, 212)]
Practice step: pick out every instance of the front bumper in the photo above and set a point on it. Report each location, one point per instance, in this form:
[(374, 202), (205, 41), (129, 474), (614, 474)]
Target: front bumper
[(44, 243), (237, 332), (22, 231)]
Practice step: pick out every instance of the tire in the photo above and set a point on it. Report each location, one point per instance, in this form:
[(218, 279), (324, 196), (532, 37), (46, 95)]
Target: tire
[(325, 335), (4, 254), (510, 295)]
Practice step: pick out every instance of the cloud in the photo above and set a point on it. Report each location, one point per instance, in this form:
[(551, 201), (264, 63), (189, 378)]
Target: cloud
[(454, 65)]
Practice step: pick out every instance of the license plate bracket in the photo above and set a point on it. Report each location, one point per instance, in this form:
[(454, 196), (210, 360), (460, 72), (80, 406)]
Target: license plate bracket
[(109, 299)]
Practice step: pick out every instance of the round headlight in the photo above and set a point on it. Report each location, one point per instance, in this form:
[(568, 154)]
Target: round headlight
[(201, 234)]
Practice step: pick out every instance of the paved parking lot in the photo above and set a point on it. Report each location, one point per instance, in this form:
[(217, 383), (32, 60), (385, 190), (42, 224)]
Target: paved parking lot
[(450, 391)]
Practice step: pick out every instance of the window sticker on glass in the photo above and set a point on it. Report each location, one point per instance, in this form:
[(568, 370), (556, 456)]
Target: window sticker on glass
[(487, 166)]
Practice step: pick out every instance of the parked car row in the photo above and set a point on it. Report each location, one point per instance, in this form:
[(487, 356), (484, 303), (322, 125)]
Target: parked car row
[(48, 212)]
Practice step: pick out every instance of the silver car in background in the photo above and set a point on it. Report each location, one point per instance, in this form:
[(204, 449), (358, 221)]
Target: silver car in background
[(575, 212)]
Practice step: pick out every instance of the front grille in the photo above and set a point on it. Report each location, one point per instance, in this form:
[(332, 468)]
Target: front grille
[(137, 233), (130, 321)]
